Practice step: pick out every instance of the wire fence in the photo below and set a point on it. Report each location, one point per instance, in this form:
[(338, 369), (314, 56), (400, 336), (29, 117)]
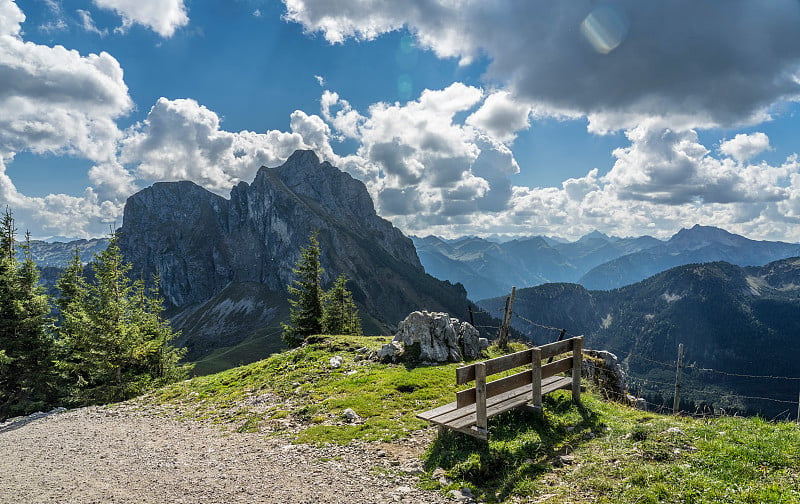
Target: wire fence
[(693, 369)]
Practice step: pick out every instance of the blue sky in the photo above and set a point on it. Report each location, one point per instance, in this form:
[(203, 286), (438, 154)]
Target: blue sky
[(460, 117)]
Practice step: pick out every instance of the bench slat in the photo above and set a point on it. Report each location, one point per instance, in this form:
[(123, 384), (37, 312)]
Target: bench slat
[(556, 348), (560, 382), (512, 399), (427, 415), (495, 387), (466, 374), (517, 396), (556, 367), (450, 416)]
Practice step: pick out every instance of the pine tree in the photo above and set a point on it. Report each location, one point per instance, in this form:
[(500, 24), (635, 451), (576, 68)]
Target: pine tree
[(28, 381), (115, 343), (340, 315), (306, 304), (73, 329)]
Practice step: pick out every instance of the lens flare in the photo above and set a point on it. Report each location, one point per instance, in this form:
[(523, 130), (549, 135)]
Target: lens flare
[(405, 87), (605, 28)]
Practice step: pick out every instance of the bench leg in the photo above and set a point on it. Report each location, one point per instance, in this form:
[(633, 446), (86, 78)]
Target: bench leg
[(480, 397), (536, 378)]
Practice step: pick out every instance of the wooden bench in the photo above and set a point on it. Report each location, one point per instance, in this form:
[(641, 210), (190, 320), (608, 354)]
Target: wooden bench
[(473, 407)]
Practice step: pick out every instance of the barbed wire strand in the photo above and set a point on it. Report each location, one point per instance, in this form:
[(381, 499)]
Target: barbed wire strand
[(767, 377), (673, 364)]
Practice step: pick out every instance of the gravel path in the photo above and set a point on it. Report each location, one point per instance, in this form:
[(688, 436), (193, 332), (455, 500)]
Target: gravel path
[(119, 455)]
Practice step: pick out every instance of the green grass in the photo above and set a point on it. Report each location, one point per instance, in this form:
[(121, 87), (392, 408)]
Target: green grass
[(592, 452), (621, 455), (386, 396), (256, 347)]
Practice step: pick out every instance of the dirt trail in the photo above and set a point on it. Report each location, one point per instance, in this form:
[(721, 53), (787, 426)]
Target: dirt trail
[(119, 455)]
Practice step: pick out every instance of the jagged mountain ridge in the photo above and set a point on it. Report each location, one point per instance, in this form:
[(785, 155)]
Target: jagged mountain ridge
[(733, 319), (489, 269), (687, 246), (596, 261), (200, 244), (58, 254)]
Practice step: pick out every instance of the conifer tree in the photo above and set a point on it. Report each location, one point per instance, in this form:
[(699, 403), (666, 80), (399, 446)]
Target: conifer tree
[(340, 315), (306, 301), (28, 381), (115, 343), (73, 329)]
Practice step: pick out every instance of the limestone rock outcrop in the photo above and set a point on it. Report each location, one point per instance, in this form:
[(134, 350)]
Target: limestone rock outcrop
[(434, 337), (603, 369)]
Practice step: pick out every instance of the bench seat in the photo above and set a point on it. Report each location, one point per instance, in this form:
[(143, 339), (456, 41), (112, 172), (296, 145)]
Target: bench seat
[(465, 418), (473, 406)]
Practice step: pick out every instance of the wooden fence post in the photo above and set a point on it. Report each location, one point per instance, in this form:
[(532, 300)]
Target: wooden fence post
[(560, 337), (502, 340), (676, 404)]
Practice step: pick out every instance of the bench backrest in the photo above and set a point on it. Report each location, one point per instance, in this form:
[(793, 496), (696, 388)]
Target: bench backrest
[(535, 355)]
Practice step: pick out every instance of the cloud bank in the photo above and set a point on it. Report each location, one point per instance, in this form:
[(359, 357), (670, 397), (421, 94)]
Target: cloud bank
[(56, 101), (692, 64), (443, 162)]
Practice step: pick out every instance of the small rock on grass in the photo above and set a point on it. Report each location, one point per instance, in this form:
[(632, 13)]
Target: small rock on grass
[(351, 415), (463, 495)]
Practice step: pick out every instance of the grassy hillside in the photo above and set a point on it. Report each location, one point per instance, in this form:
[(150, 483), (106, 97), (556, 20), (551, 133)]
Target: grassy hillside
[(592, 452)]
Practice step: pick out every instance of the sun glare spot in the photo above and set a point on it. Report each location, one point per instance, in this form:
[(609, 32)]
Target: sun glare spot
[(405, 87), (605, 28)]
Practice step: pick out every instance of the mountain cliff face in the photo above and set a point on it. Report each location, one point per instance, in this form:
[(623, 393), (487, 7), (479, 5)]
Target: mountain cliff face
[(733, 319), (200, 244)]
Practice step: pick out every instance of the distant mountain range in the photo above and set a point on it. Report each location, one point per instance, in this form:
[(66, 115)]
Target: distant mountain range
[(58, 254), (695, 245), (734, 320), (488, 268)]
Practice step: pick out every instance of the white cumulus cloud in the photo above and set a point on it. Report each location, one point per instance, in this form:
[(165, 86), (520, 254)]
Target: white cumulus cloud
[(54, 99), (183, 140), (161, 16), (743, 147), (672, 167), (501, 117), (60, 214), (422, 164)]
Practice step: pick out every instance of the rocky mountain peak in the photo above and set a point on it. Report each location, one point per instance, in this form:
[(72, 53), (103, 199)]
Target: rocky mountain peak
[(320, 186), (701, 236), (594, 236), (200, 243)]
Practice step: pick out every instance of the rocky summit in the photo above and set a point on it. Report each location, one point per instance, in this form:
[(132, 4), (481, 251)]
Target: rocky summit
[(203, 246)]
